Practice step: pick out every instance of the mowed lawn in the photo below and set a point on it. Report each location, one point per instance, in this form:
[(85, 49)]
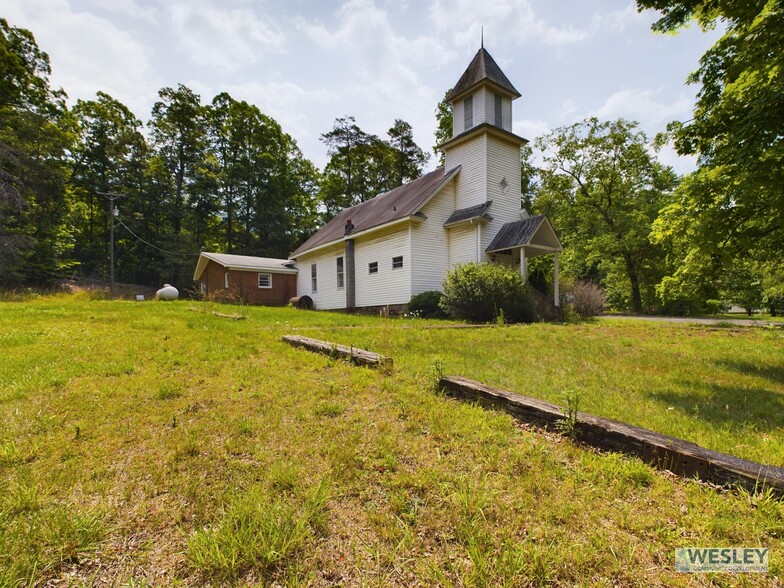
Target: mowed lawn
[(154, 444)]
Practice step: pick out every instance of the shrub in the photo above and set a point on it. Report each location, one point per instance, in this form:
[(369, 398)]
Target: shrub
[(587, 299), (426, 305), (716, 307), (481, 292)]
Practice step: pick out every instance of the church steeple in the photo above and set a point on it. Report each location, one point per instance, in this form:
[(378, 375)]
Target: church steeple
[(482, 68), (482, 95)]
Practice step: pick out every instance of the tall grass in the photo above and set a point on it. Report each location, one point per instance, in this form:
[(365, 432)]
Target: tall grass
[(161, 444), (260, 529)]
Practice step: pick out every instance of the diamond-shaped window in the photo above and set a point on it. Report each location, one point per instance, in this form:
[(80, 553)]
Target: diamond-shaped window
[(504, 185)]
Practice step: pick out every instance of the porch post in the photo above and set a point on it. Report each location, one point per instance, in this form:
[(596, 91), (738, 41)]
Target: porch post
[(556, 298), (523, 265)]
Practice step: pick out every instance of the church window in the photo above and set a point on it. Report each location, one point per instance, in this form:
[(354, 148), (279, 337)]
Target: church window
[(468, 112)]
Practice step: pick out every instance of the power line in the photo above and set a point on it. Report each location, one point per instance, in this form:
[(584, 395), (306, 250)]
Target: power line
[(155, 246)]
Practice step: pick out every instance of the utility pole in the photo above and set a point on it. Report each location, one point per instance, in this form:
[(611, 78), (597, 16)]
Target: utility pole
[(112, 213)]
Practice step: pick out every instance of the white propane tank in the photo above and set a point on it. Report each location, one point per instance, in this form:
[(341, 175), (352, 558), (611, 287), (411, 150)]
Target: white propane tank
[(168, 292)]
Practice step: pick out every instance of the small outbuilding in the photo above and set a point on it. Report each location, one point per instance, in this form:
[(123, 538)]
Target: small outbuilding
[(242, 278)]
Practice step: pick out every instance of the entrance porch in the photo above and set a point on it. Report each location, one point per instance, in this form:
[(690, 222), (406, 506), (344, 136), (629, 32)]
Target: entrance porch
[(519, 241)]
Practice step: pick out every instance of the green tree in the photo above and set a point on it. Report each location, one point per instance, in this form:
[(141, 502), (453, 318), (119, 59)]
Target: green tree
[(408, 157), (266, 187), (603, 189), (340, 189), (735, 200), (178, 133), (362, 165), (106, 158), (36, 133), (444, 125)]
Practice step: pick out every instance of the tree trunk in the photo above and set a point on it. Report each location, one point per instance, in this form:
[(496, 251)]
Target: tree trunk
[(635, 283)]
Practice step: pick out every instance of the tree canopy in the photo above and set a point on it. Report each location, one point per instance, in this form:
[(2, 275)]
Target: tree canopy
[(363, 165), (603, 189), (725, 229), (734, 201)]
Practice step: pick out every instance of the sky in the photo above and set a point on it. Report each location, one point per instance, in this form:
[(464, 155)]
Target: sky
[(307, 62)]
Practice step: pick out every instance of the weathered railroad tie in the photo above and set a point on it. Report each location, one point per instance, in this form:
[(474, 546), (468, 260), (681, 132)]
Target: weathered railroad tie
[(357, 356), (676, 455)]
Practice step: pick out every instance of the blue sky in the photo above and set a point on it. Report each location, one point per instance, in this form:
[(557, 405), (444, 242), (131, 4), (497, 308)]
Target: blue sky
[(306, 62)]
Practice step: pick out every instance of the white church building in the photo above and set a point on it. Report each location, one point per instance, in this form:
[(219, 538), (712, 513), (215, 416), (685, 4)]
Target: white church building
[(402, 242)]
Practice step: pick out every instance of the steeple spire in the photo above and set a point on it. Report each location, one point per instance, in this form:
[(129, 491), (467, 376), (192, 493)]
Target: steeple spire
[(482, 68), (482, 38)]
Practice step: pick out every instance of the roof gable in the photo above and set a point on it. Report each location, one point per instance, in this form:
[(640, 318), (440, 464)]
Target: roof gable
[(396, 204), (482, 68), (525, 232)]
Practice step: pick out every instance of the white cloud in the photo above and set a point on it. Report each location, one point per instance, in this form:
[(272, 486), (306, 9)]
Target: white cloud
[(87, 53), (620, 20), (530, 129), (643, 105), (215, 36), (465, 17), (384, 72), (364, 29), (129, 9), (682, 164)]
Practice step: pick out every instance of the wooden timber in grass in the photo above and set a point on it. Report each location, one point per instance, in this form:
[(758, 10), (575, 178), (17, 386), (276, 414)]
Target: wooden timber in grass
[(357, 356), (676, 455)]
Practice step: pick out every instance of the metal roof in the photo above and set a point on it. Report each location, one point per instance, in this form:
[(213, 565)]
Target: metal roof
[(243, 263), (394, 205), (470, 213), (482, 68)]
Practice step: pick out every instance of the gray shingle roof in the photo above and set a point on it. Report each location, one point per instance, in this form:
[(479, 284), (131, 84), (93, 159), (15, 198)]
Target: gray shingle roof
[(482, 67), (384, 208), (472, 212), (515, 233)]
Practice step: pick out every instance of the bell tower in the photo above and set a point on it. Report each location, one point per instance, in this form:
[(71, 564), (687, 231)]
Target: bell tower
[(482, 95), (483, 144)]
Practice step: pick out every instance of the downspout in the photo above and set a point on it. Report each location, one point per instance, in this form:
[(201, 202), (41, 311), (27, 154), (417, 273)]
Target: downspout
[(349, 269), (478, 242)]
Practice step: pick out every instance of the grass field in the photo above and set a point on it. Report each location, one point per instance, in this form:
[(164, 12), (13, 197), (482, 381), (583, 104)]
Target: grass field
[(157, 444)]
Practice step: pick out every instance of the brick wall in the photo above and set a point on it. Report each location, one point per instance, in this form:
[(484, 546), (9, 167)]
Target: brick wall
[(245, 286)]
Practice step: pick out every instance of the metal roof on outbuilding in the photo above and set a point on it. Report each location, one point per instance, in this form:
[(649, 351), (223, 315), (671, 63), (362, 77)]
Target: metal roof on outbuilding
[(244, 263)]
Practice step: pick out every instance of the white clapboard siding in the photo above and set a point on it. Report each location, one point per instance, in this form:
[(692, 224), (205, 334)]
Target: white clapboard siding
[(462, 244), (471, 183), (430, 244), (506, 114), (488, 98), (388, 286), (328, 295), (457, 118), (503, 161)]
